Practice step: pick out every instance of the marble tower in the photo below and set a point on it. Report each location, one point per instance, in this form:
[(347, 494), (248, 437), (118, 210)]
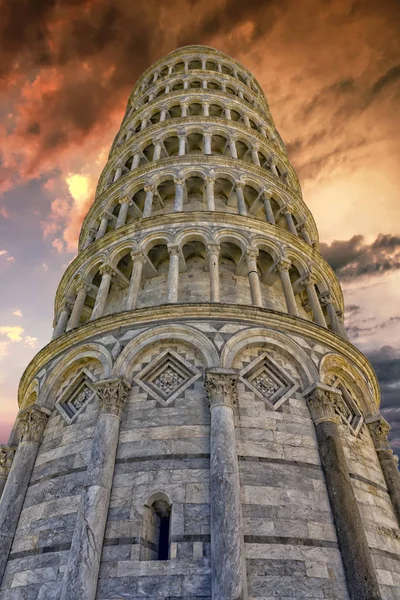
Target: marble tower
[(199, 427)]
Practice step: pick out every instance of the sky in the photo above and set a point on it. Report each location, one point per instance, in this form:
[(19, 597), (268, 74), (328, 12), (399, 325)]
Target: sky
[(331, 73)]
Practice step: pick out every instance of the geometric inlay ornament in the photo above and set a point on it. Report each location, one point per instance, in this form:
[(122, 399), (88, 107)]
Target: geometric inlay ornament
[(269, 381), (167, 376), (77, 396), (348, 409)]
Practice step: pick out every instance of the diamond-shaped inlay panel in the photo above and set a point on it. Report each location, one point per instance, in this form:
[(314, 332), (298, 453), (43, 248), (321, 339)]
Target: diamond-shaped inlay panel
[(167, 376), (268, 381), (76, 396), (349, 410)]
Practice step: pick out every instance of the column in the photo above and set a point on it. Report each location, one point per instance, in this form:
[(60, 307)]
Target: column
[(206, 109), (186, 85), (262, 130), (182, 144), (178, 203), (184, 109), (246, 120), (118, 173), (6, 458), (123, 212), (240, 94), (268, 208), (228, 566), (33, 421), (309, 284), (213, 264), (379, 430), (204, 85), (157, 149), (252, 273), (135, 161), (148, 203), (62, 319), (289, 221), (81, 575), (163, 114), (143, 124), (203, 64), (155, 76), (327, 300), (223, 86), (102, 293), (283, 268), (254, 156), (232, 147), (138, 258), (173, 273), (272, 166), (304, 233), (103, 226), (210, 182), (228, 114), (362, 583), (207, 143), (240, 199), (90, 238), (82, 289)]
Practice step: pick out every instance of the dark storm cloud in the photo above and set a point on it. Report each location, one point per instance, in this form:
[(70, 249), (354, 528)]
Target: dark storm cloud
[(353, 258), (390, 77)]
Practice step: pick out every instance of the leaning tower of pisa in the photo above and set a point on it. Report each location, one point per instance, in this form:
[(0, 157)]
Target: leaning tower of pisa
[(199, 426)]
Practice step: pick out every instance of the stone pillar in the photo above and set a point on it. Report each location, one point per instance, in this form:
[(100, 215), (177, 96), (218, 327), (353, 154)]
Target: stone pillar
[(360, 574), (232, 147), (81, 575), (246, 120), (228, 567), (240, 94), (268, 208), (62, 319), (173, 273), (118, 173), (138, 259), (318, 315), (206, 109), (184, 109), (102, 293), (207, 143), (240, 199), (254, 156), (182, 144), (135, 161), (163, 114), (262, 130), (123, 212), (289, 221), (283, 267), (379, 430), (273, 168), (304, 233), (143, 124), (148, 203), (210, 182), (254, 280), (157, 149), (6, 458), (82, 289), (103, 227), (327, 300), (33, 421), (178, 203), (155, 76), (204, 85), (228, 114), (213, 262)]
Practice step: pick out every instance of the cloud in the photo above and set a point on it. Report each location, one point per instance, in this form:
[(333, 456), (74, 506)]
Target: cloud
[(354, 258), (18, 313), (30, 342), (5, 254)]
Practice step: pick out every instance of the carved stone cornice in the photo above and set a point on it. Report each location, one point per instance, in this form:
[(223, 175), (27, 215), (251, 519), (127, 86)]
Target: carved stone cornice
[(220, 386), (33, 421), (324, 403), (112, 395)]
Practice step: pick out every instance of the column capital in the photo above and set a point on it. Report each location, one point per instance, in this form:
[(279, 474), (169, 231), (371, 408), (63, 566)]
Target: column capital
[(149, 188), (125, 200), (213, 248), (324, 402), (252, 253), (220, 386), (239, 185), (7, 454), (179, 181), (379, 429), (138, 256), (185, 104), (326, 298), (174, 249), (288, 209), (309, 279), (112, 395), (66, 304), (106, 269), (210, 179), (33, 421), (283, 264), (255, 147), (82, 285), (267, 194)]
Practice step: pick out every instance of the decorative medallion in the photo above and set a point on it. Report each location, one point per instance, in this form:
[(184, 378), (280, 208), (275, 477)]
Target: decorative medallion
[(167, 376), (76, 396), (269, 381)]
